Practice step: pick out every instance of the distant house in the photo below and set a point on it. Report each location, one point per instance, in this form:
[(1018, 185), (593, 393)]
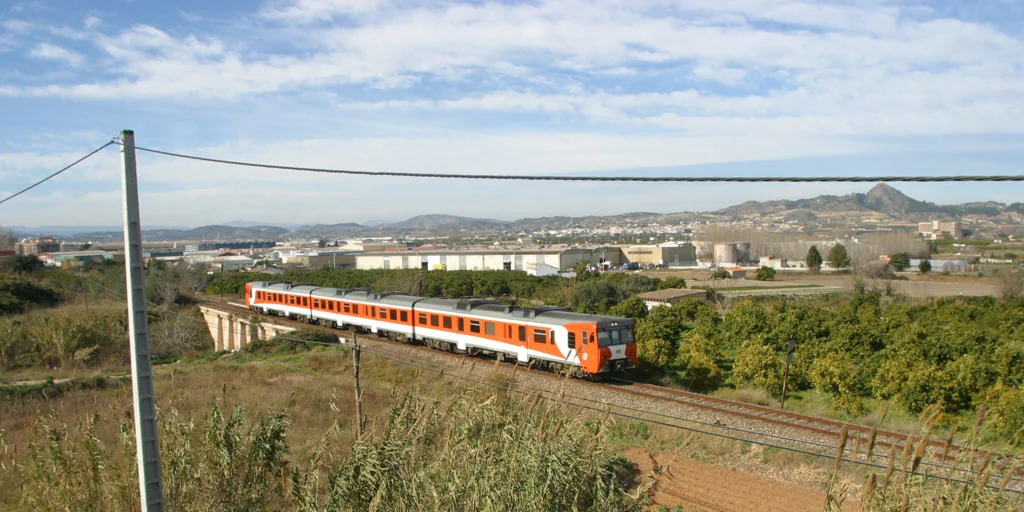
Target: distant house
[(670, 296)]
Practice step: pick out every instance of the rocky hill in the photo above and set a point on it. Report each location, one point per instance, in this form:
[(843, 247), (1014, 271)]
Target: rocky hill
[(881, 199)]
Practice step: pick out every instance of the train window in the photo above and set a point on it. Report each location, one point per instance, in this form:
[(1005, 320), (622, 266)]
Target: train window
[(522, 333), (383, 313), (316, 303), (330, 305), (305, 301), (347, 308), (474, 326), (433, 320), (355, 309), (489, 328), (462, 325), (405, 316), (585, 340), (394, 314), (423, 319), (572, 340), (540, 336), (447, 322)]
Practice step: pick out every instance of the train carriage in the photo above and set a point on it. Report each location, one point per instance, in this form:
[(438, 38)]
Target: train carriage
[(548, 336)]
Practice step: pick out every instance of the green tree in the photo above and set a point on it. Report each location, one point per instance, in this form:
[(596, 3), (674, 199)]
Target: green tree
[(633, 307), (720, 273), (21, 264), (836, 374), (900, 261), (925, 266), (814, 259), (838, 258), (654, 353), (699, 357), (672, 282), (582, 274), (765, 274), (758, 365)]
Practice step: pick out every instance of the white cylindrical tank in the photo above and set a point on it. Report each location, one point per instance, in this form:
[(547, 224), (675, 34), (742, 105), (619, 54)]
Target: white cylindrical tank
[(742, 252), (725, 254)]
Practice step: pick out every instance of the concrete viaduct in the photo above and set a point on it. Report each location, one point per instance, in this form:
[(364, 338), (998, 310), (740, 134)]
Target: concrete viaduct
[(231, 331)]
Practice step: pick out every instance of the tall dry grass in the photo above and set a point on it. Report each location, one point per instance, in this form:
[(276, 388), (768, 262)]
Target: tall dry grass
[(455, 454)]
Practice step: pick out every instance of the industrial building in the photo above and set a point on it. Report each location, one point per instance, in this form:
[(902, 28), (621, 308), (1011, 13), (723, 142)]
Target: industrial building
[(41, 245), (937, 229), (732, 254), (670, 255), (538, 259)]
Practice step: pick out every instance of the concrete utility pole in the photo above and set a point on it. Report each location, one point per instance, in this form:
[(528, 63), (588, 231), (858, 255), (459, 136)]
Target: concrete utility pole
[(147, 449), (359, 395)]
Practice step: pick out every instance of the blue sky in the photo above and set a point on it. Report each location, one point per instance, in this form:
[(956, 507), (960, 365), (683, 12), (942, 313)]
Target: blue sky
[(620, 87)]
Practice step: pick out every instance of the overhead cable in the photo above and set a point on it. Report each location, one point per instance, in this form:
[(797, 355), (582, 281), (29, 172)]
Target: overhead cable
[(40, 182), (642, 179)]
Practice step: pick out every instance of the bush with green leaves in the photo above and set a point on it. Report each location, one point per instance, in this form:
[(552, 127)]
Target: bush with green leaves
[(838, 258), (765, 274), (925, 266), (814, 259), (900, 261)]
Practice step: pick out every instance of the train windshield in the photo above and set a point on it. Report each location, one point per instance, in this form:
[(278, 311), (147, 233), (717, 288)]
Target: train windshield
[(614, 337)]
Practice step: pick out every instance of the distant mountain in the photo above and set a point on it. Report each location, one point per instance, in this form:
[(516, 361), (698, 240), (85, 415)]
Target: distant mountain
[(221, 232), (882, 199), (378, 222), (439, 221), (342, 230), (249, 224)]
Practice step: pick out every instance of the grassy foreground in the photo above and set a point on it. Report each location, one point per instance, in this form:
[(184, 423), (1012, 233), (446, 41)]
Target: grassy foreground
[(275, 431)]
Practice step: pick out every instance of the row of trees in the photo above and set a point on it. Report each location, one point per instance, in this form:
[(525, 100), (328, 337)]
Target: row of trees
[(959, 353)]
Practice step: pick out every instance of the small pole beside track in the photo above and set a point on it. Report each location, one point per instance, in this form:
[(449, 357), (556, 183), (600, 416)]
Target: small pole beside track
[(147, 447), (359, 397), (785, 376)]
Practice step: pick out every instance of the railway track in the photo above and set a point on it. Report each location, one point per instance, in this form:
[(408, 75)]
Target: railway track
[(737, 415)]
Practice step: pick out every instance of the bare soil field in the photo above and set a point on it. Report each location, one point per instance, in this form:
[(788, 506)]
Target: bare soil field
[(695, 485)]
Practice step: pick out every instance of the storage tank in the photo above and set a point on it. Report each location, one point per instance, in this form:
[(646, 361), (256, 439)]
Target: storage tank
[(742, 252), (725, 254)]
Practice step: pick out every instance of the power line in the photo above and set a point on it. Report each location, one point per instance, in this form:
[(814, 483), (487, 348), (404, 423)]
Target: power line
[(72, 164), (642, 179)]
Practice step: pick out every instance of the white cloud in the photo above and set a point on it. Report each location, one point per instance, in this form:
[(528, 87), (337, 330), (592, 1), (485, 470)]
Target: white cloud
[(727, 76), (53, 52)]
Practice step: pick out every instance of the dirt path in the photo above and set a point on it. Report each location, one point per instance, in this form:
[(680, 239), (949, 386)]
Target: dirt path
[(699, 486)]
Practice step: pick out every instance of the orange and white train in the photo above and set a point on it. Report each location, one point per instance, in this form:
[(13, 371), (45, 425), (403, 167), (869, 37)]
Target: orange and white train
[(547, 336)]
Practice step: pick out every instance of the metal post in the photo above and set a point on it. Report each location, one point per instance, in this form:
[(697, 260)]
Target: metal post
[(785, 376), (146, 446), (359, 397)]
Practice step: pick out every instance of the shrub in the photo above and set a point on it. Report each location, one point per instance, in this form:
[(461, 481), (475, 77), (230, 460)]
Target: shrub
[(758, 365), (672, 282), (900, 261), (814, 259), (838, 257), (765, 274), (925, 266)]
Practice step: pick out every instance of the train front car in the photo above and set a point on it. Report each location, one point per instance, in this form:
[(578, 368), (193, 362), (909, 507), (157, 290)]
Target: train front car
[(608, 345)]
